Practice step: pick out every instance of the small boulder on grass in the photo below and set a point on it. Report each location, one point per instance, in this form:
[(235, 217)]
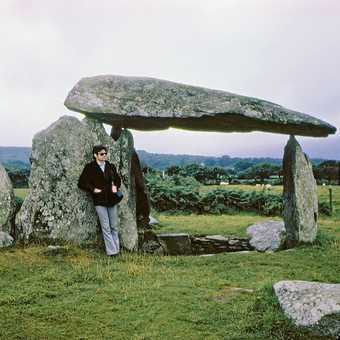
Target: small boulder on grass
[(268, 236), (313, 305), (6, 240)]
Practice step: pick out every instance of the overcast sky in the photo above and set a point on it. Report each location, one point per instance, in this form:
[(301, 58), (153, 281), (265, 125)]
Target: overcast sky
[(285, 51)]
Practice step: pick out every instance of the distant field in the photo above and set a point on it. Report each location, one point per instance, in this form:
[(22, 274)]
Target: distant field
[(323, 191), (22, 193)]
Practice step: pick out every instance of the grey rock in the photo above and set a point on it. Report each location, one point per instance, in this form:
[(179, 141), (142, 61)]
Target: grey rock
[(213, 244), (300, 198), (55, 208), (6, 240), (311, 304), (142, 197), (176, 243), (153, 247), (153, 221), (7, 201), (154, 104), (267, 235)]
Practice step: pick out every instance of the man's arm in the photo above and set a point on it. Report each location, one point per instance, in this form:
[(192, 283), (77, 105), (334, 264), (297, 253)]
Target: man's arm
[(85, 182), (115, 177)]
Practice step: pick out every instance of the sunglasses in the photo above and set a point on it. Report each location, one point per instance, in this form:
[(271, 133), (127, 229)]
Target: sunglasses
[(102, 154)]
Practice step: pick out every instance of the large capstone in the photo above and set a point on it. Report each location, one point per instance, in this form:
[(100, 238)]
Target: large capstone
[(299, 195), (55, 208), (7, 202), (154, 104)]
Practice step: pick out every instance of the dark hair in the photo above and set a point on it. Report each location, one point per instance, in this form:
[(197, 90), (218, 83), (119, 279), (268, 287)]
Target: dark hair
[(98, 148)]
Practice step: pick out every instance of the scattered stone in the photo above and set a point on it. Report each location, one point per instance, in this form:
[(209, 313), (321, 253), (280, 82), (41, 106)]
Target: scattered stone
[(227, 293), (55, 250), (267, 236), (7, 201), (154, 104), (6, 240), (176, 244), (299, 195), (153, 221), (55, 208), (311, 304)]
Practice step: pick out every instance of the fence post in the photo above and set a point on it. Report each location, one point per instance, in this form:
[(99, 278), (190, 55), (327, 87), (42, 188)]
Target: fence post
[(330, 200)]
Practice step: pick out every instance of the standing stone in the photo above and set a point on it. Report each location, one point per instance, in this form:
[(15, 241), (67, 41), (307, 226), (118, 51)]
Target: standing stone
[(142, 198), (127, 211), (7, 201), (299, 195), (55, 208)]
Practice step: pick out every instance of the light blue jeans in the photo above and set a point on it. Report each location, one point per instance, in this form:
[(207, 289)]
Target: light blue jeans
[(108, 218)]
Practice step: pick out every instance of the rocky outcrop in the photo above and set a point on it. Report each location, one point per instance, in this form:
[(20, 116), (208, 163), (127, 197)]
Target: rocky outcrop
[(311, 304), (154, 104), (267, 236), (7, 202), (55, 208), (299, 195)]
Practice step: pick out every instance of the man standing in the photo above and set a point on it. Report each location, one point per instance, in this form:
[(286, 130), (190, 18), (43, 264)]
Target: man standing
[(101, 180)]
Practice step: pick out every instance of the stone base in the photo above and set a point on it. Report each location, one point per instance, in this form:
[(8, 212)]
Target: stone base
[(185, 244)]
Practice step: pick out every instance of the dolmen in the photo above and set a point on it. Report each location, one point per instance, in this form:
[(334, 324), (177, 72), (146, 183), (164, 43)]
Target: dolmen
[(56, 209)]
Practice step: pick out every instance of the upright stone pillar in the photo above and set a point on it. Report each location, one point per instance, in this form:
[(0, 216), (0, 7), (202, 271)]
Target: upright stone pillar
[(55, 207), (299, 194), (7, 202)]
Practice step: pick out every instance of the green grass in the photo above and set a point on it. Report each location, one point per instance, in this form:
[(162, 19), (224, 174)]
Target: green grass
[(84, 295), (209, 224), (22, 193)]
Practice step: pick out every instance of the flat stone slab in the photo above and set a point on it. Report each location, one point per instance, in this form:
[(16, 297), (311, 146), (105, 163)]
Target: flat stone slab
[(311, 304), (213, 244), (154, 104)]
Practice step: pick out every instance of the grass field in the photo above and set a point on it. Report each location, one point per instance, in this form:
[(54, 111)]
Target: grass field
[(83, 295)]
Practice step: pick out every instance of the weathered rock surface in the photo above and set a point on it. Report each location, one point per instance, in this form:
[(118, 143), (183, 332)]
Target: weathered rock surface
[(185, 244), (6, 240), (214, 244), (299, 195), (142, 198), (153, 104), (311, 304), (267, 236), (7, 201), (55, 208), (176, 243)]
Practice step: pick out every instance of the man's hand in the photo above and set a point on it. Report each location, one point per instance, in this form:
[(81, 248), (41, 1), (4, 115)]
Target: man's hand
[(114, 188), (97, 191)]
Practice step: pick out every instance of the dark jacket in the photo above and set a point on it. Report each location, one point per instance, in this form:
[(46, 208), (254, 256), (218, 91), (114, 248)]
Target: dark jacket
[(93, 177)]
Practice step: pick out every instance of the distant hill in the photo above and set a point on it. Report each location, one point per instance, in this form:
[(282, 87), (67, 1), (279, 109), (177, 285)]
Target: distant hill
[(18, 157), (10, 154)]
